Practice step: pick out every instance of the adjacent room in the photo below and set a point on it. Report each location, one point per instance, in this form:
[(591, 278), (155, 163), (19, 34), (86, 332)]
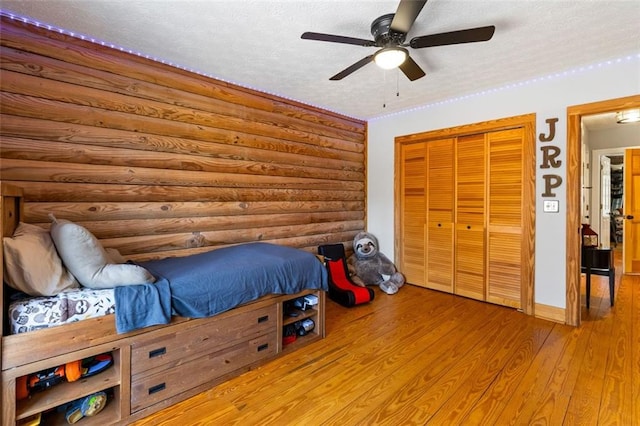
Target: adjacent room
[(320, 212)]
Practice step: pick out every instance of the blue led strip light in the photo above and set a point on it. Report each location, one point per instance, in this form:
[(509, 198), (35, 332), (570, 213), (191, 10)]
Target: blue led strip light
[(49, 27)]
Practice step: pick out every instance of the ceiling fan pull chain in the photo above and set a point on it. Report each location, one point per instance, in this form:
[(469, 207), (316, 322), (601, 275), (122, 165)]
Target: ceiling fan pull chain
[(397, 83), (384, 90)]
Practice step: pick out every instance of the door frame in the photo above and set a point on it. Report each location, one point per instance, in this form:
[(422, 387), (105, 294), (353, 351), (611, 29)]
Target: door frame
[(574, 158)]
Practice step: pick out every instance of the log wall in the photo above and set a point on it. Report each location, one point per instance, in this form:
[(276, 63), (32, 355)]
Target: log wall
[(157, 161)]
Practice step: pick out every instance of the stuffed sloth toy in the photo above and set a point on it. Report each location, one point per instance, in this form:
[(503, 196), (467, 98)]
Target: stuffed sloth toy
[(370, 267)]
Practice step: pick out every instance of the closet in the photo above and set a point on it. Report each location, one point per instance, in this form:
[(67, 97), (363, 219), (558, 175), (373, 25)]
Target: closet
[(465, 215)]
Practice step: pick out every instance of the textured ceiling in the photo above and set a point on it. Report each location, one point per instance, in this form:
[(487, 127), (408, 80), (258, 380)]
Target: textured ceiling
[(257, 44)]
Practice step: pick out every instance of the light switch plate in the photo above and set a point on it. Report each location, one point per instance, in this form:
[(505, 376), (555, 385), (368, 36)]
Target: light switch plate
[(551, 206)]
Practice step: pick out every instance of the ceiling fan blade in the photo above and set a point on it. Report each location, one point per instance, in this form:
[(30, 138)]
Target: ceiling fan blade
[(337, 39), (408, 11), (471, 35), (411, 69), (355, 67)]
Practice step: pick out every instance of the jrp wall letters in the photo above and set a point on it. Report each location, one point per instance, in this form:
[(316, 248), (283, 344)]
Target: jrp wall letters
[(550, 154)]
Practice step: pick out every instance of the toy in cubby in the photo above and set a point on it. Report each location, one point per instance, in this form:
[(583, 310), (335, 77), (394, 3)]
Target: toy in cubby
[(69, 372)]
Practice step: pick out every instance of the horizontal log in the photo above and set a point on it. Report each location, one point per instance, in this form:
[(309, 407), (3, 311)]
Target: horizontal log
[(308, 243), (28, 106), (151, 226), (74, 192), (56, 70), (47, 130), (90, 211), (27, 170), (26, 85), (47, 151), (73, 50), (159, 243)]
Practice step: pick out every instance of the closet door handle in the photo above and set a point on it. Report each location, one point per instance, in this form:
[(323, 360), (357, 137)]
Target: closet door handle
[(439, 225), (630, 216), (468, 226)]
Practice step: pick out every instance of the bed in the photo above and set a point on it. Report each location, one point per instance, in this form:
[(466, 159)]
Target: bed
[(176, 339), (196, 286)]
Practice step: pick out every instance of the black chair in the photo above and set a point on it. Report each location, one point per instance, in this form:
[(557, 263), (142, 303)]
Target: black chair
[(598, 261)]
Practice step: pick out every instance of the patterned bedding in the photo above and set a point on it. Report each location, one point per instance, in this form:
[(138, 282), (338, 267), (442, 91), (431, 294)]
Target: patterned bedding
[(34, 313)]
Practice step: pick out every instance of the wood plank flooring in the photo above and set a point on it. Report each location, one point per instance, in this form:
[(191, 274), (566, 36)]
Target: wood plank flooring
[(425, 357)]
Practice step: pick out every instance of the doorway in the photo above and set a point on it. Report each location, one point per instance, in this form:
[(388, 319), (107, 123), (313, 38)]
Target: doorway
[(574, 205), (607, 193)]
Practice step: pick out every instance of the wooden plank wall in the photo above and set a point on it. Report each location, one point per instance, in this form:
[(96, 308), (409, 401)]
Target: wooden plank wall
[(157, 161)]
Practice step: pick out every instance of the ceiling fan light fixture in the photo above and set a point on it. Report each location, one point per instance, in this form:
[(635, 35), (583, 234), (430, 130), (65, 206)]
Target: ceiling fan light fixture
[(390, 57), (628, 116)]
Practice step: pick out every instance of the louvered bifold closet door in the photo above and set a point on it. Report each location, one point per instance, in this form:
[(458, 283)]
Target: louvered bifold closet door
[(440, 194), (413, 212), (504, 217), (470, 217)]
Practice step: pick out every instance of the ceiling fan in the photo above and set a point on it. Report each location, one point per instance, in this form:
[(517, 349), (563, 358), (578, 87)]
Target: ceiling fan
[(389, 33)]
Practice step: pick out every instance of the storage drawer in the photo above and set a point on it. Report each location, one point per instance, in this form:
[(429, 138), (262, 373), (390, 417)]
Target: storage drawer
[(212, 336), (148, 389)]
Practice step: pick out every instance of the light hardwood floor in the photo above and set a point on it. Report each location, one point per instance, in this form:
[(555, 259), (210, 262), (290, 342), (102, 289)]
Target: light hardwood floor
[(424, 357)]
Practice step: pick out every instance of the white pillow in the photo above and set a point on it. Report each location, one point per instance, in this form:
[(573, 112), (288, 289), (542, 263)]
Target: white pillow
[(114, 255), (89, 262), (32, 265)]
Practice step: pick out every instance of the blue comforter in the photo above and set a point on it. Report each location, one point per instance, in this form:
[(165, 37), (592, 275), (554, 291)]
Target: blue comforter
[(208, 283)]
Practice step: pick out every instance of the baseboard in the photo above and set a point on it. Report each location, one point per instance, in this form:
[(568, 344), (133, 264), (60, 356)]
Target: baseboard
[(551, 313)]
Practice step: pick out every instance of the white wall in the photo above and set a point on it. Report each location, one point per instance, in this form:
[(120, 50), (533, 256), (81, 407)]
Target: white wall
[(624, 135), (547, 97)]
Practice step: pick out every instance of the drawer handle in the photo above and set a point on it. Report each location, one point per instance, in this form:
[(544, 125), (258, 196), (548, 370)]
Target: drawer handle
[(157, 352), (157, 388), (263, 319), (263, 347)]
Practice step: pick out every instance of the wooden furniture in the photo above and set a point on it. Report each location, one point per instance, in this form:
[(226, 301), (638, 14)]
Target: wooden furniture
[(598, 261), (477, 237), (154, 367)]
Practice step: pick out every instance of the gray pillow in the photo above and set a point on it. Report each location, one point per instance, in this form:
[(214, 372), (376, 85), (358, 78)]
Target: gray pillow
[(88, 261)]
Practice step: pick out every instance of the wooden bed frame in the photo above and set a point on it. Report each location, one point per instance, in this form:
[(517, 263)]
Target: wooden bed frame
[(154, 367)]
